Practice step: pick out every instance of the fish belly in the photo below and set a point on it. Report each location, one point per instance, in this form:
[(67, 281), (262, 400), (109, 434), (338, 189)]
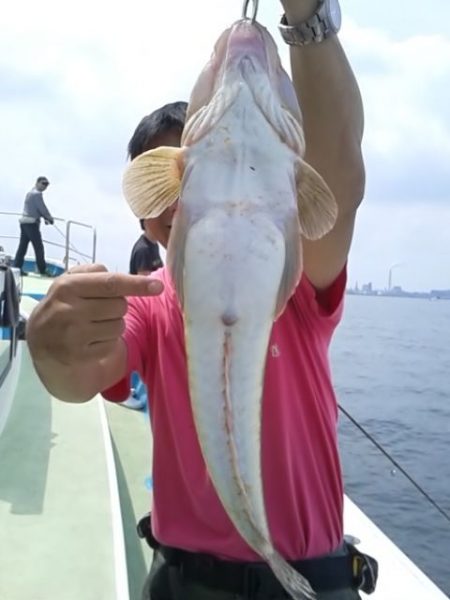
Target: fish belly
[(233, 269)]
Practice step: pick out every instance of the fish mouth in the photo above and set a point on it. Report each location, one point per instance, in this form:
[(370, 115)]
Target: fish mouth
[(246, 42)]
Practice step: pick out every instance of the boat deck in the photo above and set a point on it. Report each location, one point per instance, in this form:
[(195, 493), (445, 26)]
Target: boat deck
[(74, 480), (66, 488), (35, 286)]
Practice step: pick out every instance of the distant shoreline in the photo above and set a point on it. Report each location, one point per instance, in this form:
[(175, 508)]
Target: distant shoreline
[(398, 293)]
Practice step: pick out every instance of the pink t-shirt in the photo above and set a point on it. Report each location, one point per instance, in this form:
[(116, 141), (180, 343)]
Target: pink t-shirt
[(300, 463)]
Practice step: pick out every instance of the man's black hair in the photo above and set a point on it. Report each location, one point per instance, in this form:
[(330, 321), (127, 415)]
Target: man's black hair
[(170, 117)]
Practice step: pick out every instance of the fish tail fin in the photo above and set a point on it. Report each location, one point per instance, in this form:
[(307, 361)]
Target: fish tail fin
[(293, 582)]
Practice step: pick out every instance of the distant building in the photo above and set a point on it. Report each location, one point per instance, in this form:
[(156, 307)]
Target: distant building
[(396, 290), (440, 294)]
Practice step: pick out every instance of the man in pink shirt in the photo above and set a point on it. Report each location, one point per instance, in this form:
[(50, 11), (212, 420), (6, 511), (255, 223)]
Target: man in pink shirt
[(198, 553)]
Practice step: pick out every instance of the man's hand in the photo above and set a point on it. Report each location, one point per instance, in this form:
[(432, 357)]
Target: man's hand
[(76, 329), (81, 318)]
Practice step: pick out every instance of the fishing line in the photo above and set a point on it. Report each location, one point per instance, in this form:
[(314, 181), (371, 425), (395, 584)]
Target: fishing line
[(395, 463)]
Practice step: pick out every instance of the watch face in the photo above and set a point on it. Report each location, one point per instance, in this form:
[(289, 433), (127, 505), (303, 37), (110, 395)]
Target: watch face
[(334, 13)]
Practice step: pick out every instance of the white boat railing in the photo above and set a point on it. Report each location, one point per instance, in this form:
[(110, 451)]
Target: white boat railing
[(71, 253)]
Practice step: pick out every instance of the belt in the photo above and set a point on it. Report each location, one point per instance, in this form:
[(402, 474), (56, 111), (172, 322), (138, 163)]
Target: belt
[(353, 570), (250, 579)]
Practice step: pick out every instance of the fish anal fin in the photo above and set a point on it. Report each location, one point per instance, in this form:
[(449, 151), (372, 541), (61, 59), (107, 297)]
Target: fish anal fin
[(317, 208), (293, 264), (177, 249), (152, 181)]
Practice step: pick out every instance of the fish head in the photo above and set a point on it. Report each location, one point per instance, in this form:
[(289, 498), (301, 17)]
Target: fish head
[(245, 55)]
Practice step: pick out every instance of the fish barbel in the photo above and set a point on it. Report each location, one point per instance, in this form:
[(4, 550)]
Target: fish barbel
[(246, 198)]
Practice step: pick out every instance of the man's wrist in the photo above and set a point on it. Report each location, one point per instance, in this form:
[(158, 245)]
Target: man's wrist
[(298, 11)]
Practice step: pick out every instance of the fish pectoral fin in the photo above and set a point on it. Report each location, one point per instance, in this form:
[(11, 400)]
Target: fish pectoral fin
[(152, 181), (317, 208)]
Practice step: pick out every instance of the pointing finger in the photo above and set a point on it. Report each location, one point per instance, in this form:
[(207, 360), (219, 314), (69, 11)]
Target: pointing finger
[(112, 285), (88, 268)]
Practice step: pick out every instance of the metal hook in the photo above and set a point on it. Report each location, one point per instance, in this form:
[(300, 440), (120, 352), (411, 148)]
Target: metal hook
[(255, 9)]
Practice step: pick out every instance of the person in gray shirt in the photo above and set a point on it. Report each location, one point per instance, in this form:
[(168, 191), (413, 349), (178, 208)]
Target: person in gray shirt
[(34, 209)]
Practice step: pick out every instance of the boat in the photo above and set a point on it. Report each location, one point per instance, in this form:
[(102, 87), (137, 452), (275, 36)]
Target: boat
[(74, 479), (10, 349)]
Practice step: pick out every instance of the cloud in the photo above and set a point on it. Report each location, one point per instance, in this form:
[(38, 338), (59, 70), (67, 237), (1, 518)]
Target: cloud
[(76, 79), (407, 139), (400, 20), (74, 83)]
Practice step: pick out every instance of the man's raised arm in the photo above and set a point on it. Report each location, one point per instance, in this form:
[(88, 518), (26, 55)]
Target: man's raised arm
[(333, 121)]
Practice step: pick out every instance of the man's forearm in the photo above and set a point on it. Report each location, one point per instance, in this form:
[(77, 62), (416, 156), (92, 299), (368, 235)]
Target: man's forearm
[(43, 210), (332, 110), (299, 10)]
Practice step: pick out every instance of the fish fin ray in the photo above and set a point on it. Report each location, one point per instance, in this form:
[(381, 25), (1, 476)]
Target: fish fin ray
[(263, 535), (317, 208), (152, 181), (297, 586), (177, 249), (293, 264), (292, 581)]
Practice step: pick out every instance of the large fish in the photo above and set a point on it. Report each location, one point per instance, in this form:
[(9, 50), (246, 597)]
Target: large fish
[(246, 197)]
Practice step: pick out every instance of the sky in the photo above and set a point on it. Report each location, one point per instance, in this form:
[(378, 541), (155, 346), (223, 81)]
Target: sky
[(75, 80)]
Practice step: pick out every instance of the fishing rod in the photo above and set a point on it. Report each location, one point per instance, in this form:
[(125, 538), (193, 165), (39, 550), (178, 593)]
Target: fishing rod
[(443, 512)]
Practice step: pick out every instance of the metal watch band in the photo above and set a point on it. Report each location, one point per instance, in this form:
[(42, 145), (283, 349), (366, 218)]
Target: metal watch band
[(313, 30)]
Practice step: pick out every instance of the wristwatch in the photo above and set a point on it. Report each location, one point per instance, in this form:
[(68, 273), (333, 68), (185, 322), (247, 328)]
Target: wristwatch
[(324, 22)]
